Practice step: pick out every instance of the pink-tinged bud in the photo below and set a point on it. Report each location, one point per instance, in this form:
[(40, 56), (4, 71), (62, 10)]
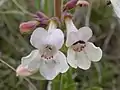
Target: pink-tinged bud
[(22, 71), (43, 22), (40, 15), (82, 3), (28, 26), (42, 18), (70, 5)]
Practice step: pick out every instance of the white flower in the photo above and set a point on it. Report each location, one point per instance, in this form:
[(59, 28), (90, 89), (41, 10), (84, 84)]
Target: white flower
[(46, 58), (80, 52), (116, 6)]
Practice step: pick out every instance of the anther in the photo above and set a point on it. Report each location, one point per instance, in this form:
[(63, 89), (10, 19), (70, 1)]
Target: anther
[(50, 48), (42, 55), (52, 56)]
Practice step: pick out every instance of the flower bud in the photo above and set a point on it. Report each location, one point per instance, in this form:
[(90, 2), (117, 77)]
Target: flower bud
[(42, 18), (22, 71), (28, 26), (43, 22), (70, 5), (41, 15)]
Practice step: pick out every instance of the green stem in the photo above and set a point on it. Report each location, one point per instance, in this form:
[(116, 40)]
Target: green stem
[(61, 82), (21, 8), (37, 4), (12, 12), (7, 65), (46, 7)]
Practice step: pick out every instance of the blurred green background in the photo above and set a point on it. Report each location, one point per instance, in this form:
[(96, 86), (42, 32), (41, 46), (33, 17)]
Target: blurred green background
[(104, 75)]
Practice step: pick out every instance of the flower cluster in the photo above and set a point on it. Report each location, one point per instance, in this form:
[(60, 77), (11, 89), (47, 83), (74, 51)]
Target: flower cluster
[(47, 57)]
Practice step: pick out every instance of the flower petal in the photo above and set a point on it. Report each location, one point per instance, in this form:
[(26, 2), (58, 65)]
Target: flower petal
[(116, 7), (51, 68), (83, 34), (71, 38), (82, 60), (48, 69), (61, 59), (56, 38), (32, 61), (71, 58), (38, 37), (94, 53)]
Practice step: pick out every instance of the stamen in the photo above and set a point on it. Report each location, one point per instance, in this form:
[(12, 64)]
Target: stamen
[(51, 56), (47, 46), (48, 52), (50, 48), (42, 56), (78, 46)]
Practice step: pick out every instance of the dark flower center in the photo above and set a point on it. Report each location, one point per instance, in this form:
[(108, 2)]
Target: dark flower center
[(78, 46), (48, 52)]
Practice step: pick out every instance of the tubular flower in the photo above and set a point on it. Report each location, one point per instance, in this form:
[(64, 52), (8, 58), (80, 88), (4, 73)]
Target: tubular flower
[(116, 6), (46, 58), (80, 52)]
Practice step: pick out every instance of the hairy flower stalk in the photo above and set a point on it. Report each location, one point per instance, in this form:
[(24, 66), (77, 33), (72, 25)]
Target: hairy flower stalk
[(46, 58), (80, 52)]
